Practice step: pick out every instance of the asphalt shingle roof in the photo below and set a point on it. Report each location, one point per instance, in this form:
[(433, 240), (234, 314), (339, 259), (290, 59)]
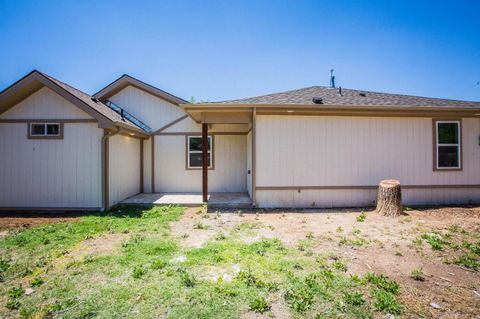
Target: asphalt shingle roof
[(94, 104), (348, 97)]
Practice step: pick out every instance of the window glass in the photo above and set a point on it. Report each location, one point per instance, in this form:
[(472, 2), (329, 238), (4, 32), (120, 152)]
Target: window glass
[(53, 129), (196, 144), (448, 144), (194, 156), (37, 129), (448, 156), (447, 133), (196, 160)]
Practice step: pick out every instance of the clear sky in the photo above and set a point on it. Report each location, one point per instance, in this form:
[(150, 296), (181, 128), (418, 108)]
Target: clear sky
[(216, 50)]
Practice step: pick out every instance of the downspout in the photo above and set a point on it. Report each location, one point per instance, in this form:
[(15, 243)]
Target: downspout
[(105, 167)]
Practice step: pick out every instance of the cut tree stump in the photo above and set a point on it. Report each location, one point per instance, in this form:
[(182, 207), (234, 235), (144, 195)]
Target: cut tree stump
[(389, 199)]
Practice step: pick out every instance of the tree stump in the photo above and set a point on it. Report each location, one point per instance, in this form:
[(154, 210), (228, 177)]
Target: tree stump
[(389, 199)]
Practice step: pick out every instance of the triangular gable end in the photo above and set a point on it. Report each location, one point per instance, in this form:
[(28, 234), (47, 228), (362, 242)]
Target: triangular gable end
[(127, 80), (33, 82)]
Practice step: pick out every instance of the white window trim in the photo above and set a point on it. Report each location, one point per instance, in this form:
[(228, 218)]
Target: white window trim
[(45, 129), (210, 165), (458, 145)]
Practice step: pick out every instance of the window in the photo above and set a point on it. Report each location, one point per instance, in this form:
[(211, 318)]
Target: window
[(194, 152), (448, 145), (45, 130)]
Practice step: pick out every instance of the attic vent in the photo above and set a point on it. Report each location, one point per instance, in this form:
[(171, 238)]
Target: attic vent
[(362, 94), (317, 100)]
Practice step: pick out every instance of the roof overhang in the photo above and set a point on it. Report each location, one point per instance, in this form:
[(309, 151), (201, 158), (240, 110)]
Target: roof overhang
[(236, 113), (126, 80)]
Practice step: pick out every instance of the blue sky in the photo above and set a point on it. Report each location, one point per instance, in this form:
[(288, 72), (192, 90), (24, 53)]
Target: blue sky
[(216, 50)]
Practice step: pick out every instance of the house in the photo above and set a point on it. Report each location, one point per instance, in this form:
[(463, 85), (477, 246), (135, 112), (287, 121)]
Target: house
[(63, 149)]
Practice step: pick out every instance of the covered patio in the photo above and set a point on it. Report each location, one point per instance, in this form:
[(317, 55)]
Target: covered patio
[(215, 200), (211, 114)]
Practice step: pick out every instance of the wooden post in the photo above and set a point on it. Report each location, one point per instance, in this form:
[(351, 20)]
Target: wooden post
[(205, 161)]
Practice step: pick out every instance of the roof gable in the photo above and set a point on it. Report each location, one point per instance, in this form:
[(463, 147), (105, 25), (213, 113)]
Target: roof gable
[(35, 80), (127, 80)]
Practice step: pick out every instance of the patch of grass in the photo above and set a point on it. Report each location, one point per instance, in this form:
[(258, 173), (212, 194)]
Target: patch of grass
[(435, 240), (417, 274), (138, 272), (299, 299), (36, 282), (354, 298), (382, 282), (158, 264), (362, 217), (14, 295), (340, 265), (259, 304), (386, 301), (145, 278), (468, 260), (187, 279)]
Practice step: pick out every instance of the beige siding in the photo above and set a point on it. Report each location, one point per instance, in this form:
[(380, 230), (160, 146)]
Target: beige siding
[(153, 111), (249, 164), (124, 168), (45, 104), (357, 151), (147, 166), (50, 173), (229, 174)]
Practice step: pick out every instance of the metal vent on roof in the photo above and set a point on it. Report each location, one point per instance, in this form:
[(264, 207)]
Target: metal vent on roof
[(362, 94), (125, 115), (317, 100)]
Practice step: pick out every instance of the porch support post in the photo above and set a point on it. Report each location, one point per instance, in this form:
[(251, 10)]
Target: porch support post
[(254, 157), (205, 162)]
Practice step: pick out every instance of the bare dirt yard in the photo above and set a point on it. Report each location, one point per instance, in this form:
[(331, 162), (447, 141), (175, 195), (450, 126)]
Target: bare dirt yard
[(420, 250)]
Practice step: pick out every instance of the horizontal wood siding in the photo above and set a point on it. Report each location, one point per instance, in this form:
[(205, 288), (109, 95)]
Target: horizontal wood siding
[(124, 168), (229, 175), (50, 173), (357, 151)]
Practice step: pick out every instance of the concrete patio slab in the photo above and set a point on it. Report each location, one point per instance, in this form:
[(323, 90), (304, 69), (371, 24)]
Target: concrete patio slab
[(215, 200)]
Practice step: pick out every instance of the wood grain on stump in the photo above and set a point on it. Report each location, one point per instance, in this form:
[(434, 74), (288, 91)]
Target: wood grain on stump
[(389, 199)]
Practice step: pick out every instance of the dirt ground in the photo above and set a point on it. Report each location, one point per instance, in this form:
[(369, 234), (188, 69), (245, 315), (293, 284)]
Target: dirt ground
[(378, 244), (12, 220)]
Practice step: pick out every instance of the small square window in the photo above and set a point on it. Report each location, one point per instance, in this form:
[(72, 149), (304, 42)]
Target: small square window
[(53, 129), (45, 130), (37, 129)]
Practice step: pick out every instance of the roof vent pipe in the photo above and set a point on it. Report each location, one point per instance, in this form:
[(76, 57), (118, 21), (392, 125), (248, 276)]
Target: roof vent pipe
[(317, 100), (332, 79)]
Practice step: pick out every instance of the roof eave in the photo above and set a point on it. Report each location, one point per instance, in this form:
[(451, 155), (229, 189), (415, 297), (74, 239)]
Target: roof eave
[(127, 80), (195, 110)]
